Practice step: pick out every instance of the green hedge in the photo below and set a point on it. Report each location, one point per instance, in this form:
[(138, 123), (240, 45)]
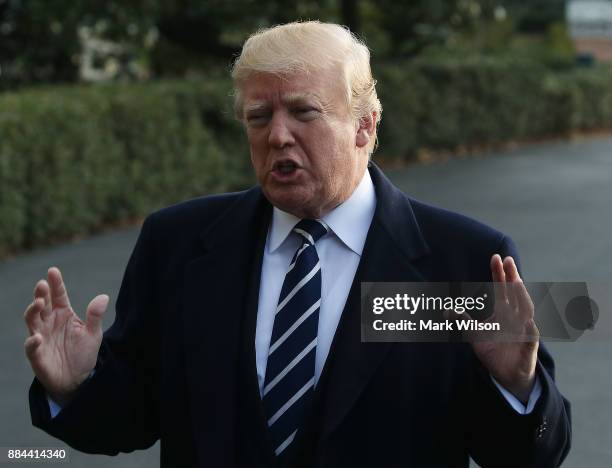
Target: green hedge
[(75, 158), (446, 105)]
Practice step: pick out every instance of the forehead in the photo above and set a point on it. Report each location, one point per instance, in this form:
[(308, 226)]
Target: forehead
[(321, 85)]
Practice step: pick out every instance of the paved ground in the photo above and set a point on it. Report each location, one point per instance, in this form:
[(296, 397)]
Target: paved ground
[(553, 199)]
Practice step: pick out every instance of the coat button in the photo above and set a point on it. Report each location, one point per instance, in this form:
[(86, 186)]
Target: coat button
[(542, 428)]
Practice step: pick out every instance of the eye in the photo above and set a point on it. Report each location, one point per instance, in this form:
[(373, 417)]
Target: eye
[(257, 119), (305, 112)]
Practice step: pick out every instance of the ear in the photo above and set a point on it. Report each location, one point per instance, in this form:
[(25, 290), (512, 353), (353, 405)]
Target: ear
[(366, 129)]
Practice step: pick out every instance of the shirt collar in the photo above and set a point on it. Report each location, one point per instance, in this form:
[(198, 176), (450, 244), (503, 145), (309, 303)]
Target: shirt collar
[(349, 221)]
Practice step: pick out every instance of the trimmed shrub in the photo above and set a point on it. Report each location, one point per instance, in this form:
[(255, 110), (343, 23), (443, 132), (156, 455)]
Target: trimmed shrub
[(73, 159), (13, 183), (446, 104)]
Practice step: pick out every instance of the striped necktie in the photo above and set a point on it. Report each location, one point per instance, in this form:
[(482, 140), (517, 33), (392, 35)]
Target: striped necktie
[(290, 371)]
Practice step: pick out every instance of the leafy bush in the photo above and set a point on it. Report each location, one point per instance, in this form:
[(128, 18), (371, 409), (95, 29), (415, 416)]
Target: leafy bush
[(446, 104), (72, 159)]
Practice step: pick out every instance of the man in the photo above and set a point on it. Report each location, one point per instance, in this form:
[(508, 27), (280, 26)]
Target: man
[(237, 336)]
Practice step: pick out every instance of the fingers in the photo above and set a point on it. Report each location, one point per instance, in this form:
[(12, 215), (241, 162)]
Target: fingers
[(59, 295), (519, 298), (499, 278), (511, 277), (32, 344), (95, 312), (525, 304), (40, 309), (41, 291), (32, 315), (519, 295), (510, 270)]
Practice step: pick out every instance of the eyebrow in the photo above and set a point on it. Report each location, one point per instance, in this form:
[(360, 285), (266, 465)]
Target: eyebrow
[(291, 98), (257, 106)]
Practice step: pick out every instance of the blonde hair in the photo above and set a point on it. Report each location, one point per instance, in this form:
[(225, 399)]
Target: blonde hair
[(304, 47)]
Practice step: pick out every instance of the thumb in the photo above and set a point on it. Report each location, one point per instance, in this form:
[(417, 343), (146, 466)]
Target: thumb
[(32, 344), (95, 312)]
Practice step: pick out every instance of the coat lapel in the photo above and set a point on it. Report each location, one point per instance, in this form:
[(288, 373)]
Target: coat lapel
[(215, 298), (394, 241)]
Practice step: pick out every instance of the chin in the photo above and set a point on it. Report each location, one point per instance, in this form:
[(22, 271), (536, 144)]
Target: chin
[(290, 203), (292, 207)]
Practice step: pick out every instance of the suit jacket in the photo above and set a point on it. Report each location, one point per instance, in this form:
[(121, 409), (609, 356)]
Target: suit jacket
[(178, 364)]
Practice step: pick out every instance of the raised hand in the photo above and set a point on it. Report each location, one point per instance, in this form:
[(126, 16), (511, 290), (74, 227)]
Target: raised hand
[(511, 361), (61, 348)]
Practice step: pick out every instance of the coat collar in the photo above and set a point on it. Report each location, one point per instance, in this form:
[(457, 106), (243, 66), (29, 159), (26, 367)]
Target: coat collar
[(393, 212), (395, 215)]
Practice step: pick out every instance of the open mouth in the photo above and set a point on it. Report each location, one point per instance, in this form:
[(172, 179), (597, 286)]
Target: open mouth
[(285, 167)]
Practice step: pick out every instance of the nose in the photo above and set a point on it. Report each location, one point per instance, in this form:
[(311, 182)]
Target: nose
[(280, 131)]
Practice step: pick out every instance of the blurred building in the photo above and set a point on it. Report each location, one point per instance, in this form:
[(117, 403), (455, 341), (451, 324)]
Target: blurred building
[(102, 60), (590, 23)]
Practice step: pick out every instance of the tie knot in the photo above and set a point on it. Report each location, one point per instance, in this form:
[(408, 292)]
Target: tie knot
[(311, 230)]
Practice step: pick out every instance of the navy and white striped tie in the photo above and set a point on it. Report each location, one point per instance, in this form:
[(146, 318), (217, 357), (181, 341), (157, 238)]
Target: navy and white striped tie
[(290, 371)]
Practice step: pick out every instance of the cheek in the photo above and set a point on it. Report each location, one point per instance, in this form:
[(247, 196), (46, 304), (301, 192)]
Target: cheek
[(258, 165), (258, 151)]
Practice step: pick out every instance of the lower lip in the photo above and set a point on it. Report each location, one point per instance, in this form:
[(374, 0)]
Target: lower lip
[(285, 176)]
